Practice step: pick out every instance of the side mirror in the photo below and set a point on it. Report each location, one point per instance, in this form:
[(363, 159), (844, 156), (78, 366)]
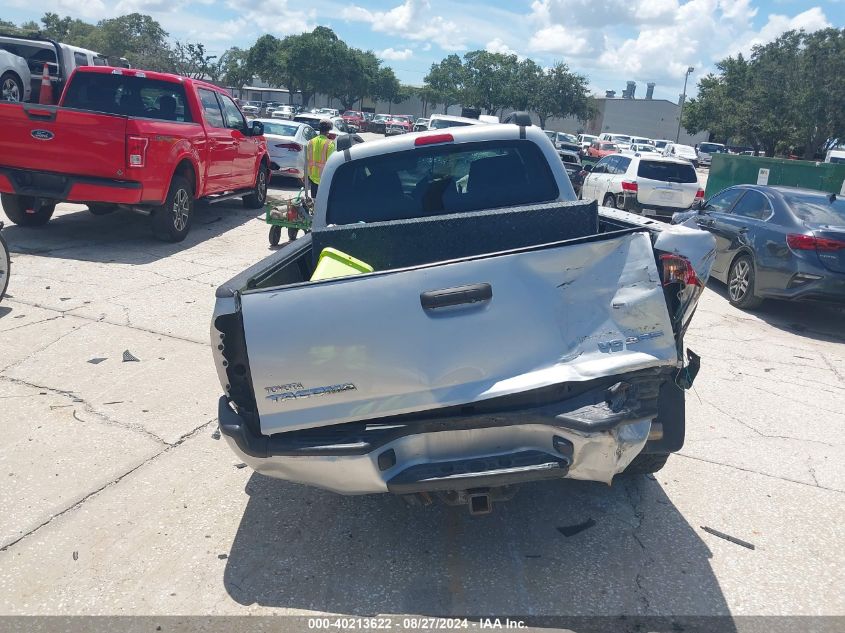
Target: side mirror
[(256, 129), (588, 168), (698, 205)]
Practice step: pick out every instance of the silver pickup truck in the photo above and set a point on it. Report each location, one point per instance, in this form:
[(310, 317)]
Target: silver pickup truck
[(509, 333)]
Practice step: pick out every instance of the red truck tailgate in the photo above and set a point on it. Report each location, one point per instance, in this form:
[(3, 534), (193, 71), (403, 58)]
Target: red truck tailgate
[(62, 140)]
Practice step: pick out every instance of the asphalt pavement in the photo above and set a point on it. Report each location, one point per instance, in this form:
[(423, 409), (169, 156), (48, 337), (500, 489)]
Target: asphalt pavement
[(120, 499)]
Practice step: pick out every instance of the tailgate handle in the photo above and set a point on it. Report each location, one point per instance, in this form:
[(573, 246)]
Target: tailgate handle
[(461, 295), (41, 112)]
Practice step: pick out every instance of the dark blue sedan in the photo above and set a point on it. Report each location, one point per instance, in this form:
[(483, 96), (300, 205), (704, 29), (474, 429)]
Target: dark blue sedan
[(775, 242)]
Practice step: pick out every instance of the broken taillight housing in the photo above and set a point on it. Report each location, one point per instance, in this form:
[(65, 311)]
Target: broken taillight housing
[(678, 269)]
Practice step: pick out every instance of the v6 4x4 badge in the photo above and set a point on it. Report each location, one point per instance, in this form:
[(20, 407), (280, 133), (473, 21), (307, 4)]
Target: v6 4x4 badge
[(295, 391), (617, 345)]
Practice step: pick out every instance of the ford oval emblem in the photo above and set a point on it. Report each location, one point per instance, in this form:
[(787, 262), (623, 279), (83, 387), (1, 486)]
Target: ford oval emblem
[(42, 135)]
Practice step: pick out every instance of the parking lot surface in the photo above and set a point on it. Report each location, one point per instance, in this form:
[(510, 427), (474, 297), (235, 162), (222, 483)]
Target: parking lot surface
[(119, 498)]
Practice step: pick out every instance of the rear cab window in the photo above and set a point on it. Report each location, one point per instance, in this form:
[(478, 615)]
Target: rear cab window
[(440, 179), (128, 95), (667, 172)]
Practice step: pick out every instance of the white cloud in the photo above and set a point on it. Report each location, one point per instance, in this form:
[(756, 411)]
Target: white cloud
[(810, 20), (411, 20), (391, 53), (602, 13), (496, 45), (561, 40)]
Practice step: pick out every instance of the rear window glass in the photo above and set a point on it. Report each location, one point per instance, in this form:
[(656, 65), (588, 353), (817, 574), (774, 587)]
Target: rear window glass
[(712, 148), (441, 179), (129, 96), (280, 129), (818, 209), (667, 172), (439, 124)]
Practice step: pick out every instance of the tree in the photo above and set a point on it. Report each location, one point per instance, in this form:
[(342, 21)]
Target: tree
[(137, 37), (67, 30), (359, 76), (488, 78), (268, 59), (190, 60), (311, 59), (235, 69), (446, 81), (524, 86), (561, 93)]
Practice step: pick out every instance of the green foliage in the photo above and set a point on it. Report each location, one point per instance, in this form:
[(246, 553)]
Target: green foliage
[(562, 93), (489, 80), (191, 60), (446, 81), (234, 68), (787, 95)]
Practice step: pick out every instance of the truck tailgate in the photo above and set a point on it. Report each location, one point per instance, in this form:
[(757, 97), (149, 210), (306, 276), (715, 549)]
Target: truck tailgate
[(63, 140), (451, 334)]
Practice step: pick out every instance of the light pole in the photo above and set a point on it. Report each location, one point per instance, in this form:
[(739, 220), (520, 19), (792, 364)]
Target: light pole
[(683, 99)]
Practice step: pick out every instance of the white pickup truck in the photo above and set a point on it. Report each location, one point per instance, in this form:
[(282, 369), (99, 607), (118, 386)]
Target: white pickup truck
[(509, 333)]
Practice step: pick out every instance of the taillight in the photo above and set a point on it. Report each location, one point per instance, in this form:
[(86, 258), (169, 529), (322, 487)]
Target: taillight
[(431, 139), (798, 242), (136, 151), (699, 195), (291, 147), (630, 185), (678, 269)]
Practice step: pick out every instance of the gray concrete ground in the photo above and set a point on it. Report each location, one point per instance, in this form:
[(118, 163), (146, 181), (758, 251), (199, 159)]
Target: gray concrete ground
[(118, 499)]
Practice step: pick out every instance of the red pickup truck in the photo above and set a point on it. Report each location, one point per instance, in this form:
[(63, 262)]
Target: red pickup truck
[(119, 138)]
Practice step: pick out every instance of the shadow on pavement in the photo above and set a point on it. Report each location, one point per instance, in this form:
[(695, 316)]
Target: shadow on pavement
[(122, 236), (302, 548), (818, 321)]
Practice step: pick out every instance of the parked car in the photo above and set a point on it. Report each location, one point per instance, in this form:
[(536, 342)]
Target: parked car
[(327, 112), (338, 125), (399, 124), (442, 121), (704, 152), (140, 140), (641, 140), (271, 107), (567, 142), (283, 112), (685, 152), (572, 164), (420, 125), (660, 144), (648, 185), (585, 140), (356, 119), (397, 387), (637, 148), (622, 141), (835, 156), (252, 108), (378, 124), (286, 141), (600, 149), (775, 242), (15, 78), (61, 60)]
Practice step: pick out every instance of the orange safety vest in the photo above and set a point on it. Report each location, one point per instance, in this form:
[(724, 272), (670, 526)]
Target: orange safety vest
[(316, 154)]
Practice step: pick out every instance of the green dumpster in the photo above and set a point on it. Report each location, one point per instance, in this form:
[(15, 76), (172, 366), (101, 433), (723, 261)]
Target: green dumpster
[(730, 169)]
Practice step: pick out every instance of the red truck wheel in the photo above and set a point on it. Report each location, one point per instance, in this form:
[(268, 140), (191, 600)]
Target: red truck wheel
[(21, 210), (258, 197), (172, 220)]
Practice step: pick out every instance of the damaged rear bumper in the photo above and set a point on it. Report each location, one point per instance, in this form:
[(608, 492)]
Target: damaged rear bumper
[(593, 435)]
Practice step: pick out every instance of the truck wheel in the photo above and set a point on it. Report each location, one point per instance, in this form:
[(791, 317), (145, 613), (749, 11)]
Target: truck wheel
[(275, 235), (258, 197), (741, 284), (5, 264), (102, 209), (11, 88), (172, 220), (292, 233), (645, 464), (610, 201), (20, 210)]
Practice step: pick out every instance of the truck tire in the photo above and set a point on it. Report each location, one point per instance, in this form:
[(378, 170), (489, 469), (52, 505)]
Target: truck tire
[(102, 209), (172, 220), (11, 87), (5, 264), (292, 233), (258, 197), (19, 210), (645, 464)]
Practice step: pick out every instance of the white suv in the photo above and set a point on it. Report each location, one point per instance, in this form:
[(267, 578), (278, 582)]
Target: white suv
[(649, 185), (15, 83)]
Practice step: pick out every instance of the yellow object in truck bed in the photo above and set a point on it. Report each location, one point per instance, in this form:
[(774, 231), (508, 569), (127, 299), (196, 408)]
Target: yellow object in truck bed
[(334, 263)]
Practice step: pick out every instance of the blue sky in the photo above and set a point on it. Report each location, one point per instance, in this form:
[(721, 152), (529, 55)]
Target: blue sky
[(609, 41)]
